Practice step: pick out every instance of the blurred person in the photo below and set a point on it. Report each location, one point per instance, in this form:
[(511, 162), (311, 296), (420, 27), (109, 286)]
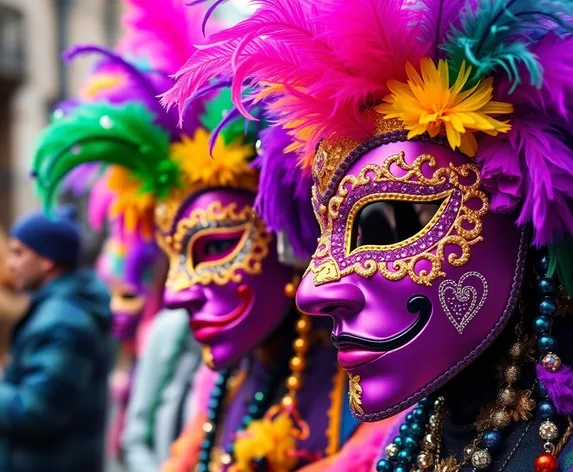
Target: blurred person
[(13, 305), (158, 405), (53, 397)]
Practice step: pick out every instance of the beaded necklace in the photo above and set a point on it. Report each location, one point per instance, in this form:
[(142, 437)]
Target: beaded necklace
[(418, 445)]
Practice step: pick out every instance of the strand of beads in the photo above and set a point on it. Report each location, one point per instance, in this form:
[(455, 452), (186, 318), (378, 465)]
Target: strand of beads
[(402, 452), (548, 431), (430, 453)]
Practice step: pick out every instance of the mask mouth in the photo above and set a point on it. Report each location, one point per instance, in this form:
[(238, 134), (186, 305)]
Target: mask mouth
[(417, 304)]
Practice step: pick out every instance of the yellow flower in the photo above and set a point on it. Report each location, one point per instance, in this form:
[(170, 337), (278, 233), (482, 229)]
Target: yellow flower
[(271, 439), (134, 206), (228, 167), (428, 104)]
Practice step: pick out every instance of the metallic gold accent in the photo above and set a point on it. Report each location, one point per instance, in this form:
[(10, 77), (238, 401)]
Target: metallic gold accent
[(355, 393), (208, 357), (459, 235), (184, 274), (330, 155)]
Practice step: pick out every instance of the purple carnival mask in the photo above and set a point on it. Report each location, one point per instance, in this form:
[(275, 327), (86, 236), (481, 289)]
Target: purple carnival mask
[(225, 271), (127, 268), (417, 275)]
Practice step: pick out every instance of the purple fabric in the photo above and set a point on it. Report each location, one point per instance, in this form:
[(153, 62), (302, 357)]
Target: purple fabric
[(559, 386), (284, 198)]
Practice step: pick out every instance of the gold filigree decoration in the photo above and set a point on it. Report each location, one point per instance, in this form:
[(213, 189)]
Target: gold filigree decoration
[(247, 256), (450, 464), (331, 154), (355, 393), (207, 357), (463, 233)]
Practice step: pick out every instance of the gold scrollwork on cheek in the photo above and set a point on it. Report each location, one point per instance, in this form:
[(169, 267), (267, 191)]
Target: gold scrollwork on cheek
[(423, 266), (355, 393), (246, 258)]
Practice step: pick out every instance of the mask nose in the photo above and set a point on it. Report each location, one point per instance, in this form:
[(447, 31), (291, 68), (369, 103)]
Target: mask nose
[(331, 299), (192, 298)]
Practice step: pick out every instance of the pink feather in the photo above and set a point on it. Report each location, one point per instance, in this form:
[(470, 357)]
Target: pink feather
[(100, 201), (161, 32), (546, 162)]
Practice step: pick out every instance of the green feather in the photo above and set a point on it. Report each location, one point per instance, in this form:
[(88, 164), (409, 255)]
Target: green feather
[(122, 135), (561, 263), (215, 111), (497, 35)]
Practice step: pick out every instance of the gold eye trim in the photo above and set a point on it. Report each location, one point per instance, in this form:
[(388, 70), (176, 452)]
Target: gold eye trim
[(457, 222)]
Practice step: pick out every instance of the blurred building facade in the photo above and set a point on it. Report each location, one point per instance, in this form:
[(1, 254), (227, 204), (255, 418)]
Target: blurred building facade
[(33, 78)]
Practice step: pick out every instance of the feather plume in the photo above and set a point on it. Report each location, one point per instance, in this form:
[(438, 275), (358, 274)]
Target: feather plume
[(81, 179), (100, 202), (546, 162), (559, 386), (561, 263), (498, 35), (281, 177), (122, 135), (163, 33), (434, 19)]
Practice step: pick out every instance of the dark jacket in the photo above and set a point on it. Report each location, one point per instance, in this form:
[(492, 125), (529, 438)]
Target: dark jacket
[(54, 394)]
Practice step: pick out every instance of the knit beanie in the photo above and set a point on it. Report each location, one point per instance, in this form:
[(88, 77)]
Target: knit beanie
[(56, 237)]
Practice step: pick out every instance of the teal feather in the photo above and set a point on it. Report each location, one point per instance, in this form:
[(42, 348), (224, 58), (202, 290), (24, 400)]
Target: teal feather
[(123, 135), (498, 35), (561, 263)]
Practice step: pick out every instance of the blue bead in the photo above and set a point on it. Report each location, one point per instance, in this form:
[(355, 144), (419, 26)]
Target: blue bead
[(409, 418), (548, 306), (206, 444), (217, 392), (204, 456), (542, 325), (424, 402), (546, 344), (259, 397), (546, 286), (416, 430), (213, 404), (419, 414), (401, 468), (221, 380), (202, 468), (405, 457), (399, 441), (410, 443), (547, 409), (542, 391), (543, 264), (253, 410), (492, 439), (247, 420), (211, 415), (404, 430), (384, 465)]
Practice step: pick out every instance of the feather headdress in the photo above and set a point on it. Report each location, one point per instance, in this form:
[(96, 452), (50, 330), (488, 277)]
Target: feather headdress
[(480, 72)]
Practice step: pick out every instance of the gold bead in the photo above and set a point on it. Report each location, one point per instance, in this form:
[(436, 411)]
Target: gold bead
[(303, 326), (500, 419), (429, 442), (548, 431), (516, 351), (512, 374), (293, 382), (297, 364), (424, 460), (290, 290), (391, 450), (300, 345), (433, 421), (507, 396), (288, 401), (469, 451), (481, 459)]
